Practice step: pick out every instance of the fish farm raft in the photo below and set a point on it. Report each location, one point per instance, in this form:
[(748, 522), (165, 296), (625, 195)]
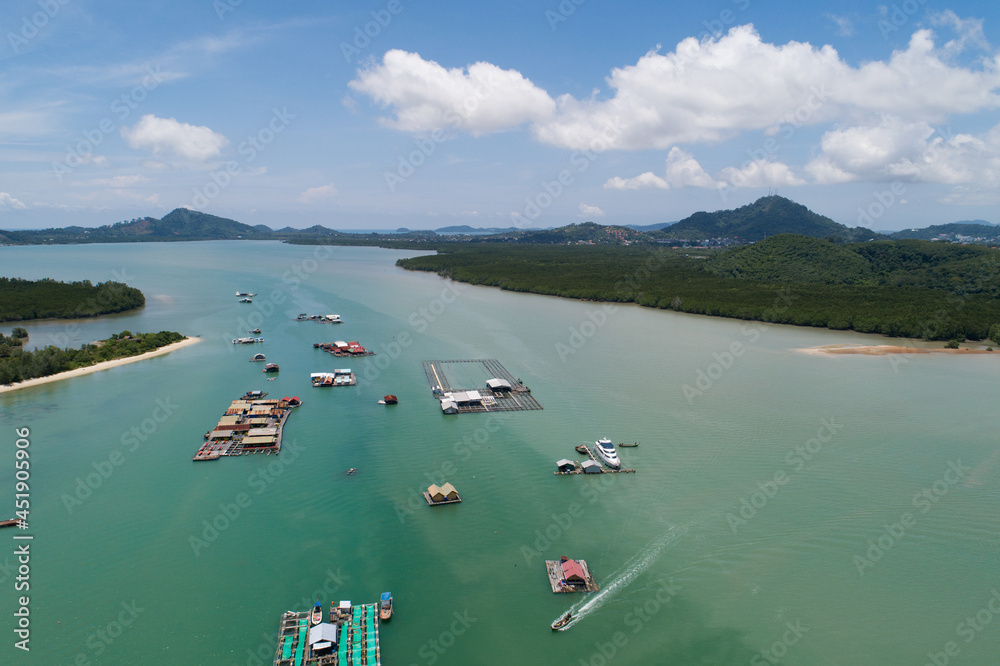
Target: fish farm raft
[(252, 424), (501, 392), (350, 638)]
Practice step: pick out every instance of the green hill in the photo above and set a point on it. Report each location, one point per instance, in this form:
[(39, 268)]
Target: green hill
[(765, 217), (793, 258), (971, 230)]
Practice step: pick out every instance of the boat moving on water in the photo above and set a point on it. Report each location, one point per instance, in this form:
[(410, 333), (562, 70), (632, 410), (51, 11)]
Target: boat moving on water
[(606, 451), (385, 607), (562, 622)]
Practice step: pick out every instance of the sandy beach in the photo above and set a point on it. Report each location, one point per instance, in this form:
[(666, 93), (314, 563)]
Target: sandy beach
[(99, 366), (882, 350)]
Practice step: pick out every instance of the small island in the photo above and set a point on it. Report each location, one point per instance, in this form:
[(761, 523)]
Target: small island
[(23, 300), (20, 368)]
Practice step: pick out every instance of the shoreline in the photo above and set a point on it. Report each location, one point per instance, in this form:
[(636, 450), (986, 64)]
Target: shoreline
[(883, 350), (97, 367)]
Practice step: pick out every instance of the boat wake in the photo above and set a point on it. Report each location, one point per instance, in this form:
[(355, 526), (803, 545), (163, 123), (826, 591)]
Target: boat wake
[(621, 578)]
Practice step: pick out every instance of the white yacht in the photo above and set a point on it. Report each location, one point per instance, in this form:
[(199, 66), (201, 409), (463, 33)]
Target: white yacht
[(605, 450)]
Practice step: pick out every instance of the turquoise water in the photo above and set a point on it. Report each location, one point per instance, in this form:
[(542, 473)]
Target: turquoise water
[(685, 577)]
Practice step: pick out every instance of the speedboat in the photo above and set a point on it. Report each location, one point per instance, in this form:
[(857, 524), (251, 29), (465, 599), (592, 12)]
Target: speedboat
[(562, 622), (317, 613), (385, 607), (606, 451)]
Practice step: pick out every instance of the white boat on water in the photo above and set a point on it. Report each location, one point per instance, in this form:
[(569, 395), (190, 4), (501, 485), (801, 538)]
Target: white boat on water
[(605, 450)]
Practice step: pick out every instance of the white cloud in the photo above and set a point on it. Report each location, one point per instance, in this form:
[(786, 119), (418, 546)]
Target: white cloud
[(322, 193), (425, 96), (845, 27), (167, 135), (119, 181), (7, 202), (586, 210), (761, 173), (702, 92), (910, 152), (683, 170), (644, 181), (969, 31)]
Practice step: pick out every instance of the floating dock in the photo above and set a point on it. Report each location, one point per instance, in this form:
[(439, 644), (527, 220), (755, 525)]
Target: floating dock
[(604, 468), (350, 638), (343, 349), (250, 425), (502, 393), (555, 572)]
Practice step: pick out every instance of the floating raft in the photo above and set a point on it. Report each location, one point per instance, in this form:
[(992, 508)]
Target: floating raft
[(250, 425), (555, 572), (604, 469), (513, 396), (350, 638)]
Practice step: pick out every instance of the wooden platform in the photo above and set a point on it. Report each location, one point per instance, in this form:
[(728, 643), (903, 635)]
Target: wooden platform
[(604, 469), (427, 496), (213, 449), (515, 400), (554, 570)]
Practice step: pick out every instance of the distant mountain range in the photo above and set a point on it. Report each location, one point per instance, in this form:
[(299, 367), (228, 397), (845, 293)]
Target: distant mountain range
[(761, 219)]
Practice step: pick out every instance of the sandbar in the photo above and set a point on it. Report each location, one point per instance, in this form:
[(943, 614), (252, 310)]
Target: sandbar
[(882, 350), (97, 367)]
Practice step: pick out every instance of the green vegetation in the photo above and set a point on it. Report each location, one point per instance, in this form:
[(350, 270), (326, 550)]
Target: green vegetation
[(17, 365), (40, 299), (909, 288)]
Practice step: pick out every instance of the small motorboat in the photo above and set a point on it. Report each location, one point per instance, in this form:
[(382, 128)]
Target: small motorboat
[(582, 449), (562, 622), (317, 613), (245, 300), (385, 607), (256, 330), (351, 471), (628, 446)]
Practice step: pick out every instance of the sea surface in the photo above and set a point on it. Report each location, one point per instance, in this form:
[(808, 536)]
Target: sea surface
[(787, 508)]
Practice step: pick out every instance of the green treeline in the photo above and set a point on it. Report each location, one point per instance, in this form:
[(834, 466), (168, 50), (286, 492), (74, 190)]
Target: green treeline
[(42, 299), (17, 365), (908, 289)]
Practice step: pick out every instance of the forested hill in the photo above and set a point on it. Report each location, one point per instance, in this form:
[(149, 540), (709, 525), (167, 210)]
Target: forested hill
[(977, 231), (179, 224), (41, 299), (765, 217)]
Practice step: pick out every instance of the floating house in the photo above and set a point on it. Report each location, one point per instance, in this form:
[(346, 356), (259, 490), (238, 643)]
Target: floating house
[(322, 639), (449, 406), (445, 494), (573, 573), (592, 467), (257, 357), (566, 465), (271, 367), (499, 385), (566, 575)]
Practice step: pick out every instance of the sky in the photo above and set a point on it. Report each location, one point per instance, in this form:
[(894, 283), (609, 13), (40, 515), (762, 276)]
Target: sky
[(407, 113)]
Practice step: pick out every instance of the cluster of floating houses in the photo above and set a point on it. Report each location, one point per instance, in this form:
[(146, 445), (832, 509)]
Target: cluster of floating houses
[(340, 377), (349, 638), (251, 424), (605, 453), (321, 319), (502, 392), (344, 348)]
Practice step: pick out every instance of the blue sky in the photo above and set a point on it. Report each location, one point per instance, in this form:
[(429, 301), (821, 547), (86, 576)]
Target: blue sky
[(402, 113)]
